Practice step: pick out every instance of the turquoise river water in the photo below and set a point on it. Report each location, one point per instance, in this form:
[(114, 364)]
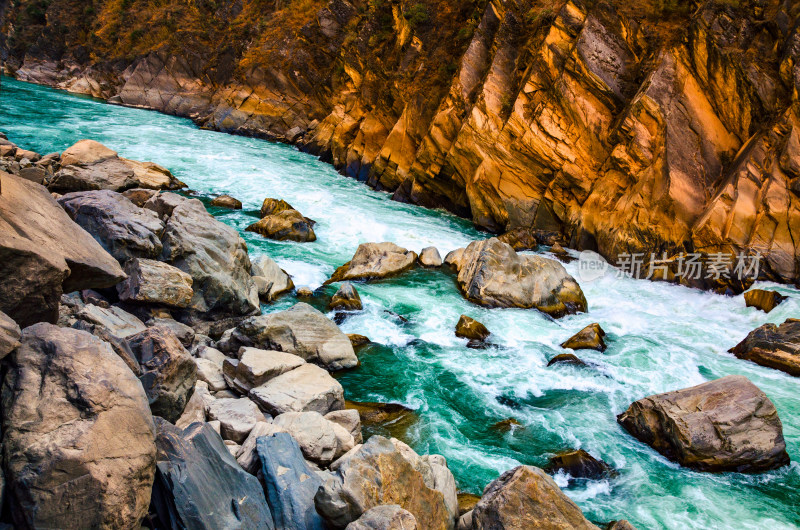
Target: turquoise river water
[(661, 337)]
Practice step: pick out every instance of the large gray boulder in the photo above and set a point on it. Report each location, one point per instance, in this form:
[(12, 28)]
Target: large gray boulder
[(302, 331), (212, 253), (168, 371), (200, 485), (43, 254), (492, 274), (385, 517), (526, 497), (727, 424), (378, 473), (78, 442), (289, 482), (9, 335), (306, 388), (773, 346), (125, 230), (153, 282), (375, 260)]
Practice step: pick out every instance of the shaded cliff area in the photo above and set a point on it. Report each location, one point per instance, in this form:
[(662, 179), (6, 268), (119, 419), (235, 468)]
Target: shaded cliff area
[(661, 127)]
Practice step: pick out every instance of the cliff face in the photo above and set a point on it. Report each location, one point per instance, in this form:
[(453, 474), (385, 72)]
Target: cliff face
[(616, 128)]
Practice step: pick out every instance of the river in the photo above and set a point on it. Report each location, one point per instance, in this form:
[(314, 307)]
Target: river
[(661, 337)]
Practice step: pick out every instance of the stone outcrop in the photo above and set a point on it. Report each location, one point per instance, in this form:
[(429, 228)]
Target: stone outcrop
[(589, 338), (153, 282), (77, 434), (773, 346), (374, 261), (724, 425), (43, 253), (492, 274)]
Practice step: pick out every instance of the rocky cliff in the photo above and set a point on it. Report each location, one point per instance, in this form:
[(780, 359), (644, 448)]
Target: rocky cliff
[(660, 127)]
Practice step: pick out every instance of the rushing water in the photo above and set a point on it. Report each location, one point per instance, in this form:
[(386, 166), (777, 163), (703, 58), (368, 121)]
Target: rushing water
[(661, 337)]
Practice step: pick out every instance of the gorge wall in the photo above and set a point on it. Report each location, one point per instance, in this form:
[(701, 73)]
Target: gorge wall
[(659, 127)]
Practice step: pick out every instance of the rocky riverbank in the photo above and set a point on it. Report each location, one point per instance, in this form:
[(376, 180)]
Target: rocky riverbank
[(141, 384), (655, 128)]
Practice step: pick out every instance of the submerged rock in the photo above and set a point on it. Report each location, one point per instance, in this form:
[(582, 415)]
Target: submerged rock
[(385, 517), (566, 358), (429, 257), (492, 274), (589, 338), (200, 485), (226, 201), (391, 419), (78, 437), (154, 282), (525, 497), (773, 346), (43, 254), (358, 340), (762, 299), (373, 261), (306, 388), (346, 298), (724, 425), (579, 464), (469, 328)]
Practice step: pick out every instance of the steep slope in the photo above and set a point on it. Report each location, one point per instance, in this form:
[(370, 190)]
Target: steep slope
[(647, 128)]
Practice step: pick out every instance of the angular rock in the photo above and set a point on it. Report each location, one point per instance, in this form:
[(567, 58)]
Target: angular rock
[(727, 424), (210, 372), (773, 346), (762, 299), (288, 225), (350, 420), (247, 456), (275, 280), (385, 517), (525, 497), (9, 335), (184, 333), (492, 274), (289, 482), (237, 417), (168, 371), (139, 196), (153, 282), (566, 358), (373, 261), (321, 441), (124, 229), (346, 298), (375, 474), (302, 331), (43, 253), (429, 257), (520, 239), (226, 201), (579, 464), (306, 388), (256, 367), (200, 485), (196, 407), (469, 328), (589, 338), (119, 345), (115, 320), (78, 435)]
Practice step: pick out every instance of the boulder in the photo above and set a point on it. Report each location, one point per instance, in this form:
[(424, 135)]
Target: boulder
[(226, 201), (139, 196), (247, 456), (288, 225), (385, 517), (469, 328), (184, 333), (302, 331), (492, 274), (321, 441), (43, 254), (525, 497), (589, 338), (78, 437), (197, 406), (275, 280), (210, 372), (374, 261), (153, 282), (727, 424), (429, 257), (118, 344), (377, 473), (289, 482), (9, 335), (620, 525), (763, 299), (124, 229), (566, 358), (579, 464), (237, 417), (274, 206), (306, 388), (304, 292), (358, 340), (89, 165), (168, 371), (256, 367), (350, 420), (115, 320), (200, 485), (212, 253), (346, 298), (773, 346)]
